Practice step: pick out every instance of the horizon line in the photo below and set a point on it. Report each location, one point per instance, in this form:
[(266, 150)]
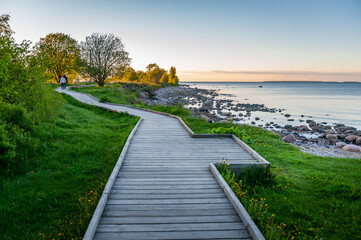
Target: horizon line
[(273, 72)]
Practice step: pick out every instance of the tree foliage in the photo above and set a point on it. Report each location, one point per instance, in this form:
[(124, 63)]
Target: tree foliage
[(5, 29), (60, 52), (103, 55), (24, 102), (154, 75)]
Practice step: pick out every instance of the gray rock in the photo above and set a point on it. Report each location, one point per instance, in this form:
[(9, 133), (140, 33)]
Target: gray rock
[(331, 137), (290, 119), (257, 118), (288, 126), (330, 131), (287, 115), (206, 118), (351, 138), (289, 138), (351, 148), (340, 144), (358, 141), (302, 128)]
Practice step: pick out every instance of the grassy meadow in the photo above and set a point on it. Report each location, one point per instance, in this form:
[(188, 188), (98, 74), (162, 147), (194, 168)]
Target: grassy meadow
[(57, 195), (303, 196)]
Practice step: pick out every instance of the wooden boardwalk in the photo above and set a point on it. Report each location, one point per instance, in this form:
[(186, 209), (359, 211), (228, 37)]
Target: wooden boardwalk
[(164, 188)]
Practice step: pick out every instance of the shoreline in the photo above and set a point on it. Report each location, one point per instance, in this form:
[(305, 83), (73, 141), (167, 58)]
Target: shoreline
[(310, 136)]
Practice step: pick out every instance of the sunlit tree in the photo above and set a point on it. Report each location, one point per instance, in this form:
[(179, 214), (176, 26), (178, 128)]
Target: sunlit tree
[(60, 53), (130, 75), (173, 78), (164, 79), (102, 55)]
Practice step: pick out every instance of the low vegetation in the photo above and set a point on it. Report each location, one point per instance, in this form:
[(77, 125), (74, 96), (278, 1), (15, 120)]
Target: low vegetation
[(55, 195), (302, 196)]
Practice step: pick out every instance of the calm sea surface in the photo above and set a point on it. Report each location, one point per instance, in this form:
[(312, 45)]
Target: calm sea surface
[(321, 101)]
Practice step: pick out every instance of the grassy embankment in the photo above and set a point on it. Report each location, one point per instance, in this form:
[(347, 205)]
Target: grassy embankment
[(302, 197), (55, 199)]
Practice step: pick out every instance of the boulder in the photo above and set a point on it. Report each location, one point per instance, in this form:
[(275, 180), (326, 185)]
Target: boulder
[(358, 141), (332, 137), (330, 131), (206, 118), (289, 138), (351, 148), (351, 138), (287, 115), (302, 128), (340, 145)]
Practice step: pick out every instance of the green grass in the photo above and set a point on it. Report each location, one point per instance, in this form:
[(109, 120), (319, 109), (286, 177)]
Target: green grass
[(308, 197), (59, 192)]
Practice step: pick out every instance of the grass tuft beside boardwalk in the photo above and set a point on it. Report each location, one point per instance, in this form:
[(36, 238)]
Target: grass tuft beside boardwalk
[(57, 196)]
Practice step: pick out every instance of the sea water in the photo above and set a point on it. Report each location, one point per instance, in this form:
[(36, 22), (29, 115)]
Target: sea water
[(328, 102)]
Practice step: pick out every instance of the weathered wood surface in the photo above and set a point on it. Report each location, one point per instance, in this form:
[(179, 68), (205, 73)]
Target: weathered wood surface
[(164, 189)]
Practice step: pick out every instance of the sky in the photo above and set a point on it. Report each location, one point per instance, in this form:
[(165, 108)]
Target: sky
[(212, 40)]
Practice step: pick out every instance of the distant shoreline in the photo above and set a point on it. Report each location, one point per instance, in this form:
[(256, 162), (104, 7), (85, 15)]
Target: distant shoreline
[(185, 82)]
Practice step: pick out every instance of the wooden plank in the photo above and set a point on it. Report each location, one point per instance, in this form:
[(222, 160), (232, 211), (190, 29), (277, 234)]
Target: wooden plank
[(167, 191), (165, 187), (242, 234), (167, 201), (185, 206), (166, 196), (185, 219), (169, 213), (171, 227)]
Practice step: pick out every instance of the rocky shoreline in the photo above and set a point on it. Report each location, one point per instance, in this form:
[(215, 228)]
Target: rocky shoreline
[(316, 138)]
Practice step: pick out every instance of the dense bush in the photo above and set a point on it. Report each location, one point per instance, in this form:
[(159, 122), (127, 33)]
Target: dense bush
[(25, 101)]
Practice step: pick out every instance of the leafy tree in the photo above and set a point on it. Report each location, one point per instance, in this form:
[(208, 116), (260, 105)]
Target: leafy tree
[(154, 73), (60, 52), (173, 78), (103, 55), (164, 79), (5, 29), (130, 75)]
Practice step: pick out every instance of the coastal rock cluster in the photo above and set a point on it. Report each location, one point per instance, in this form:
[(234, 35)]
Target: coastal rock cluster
[(208, 104), (338, 136)]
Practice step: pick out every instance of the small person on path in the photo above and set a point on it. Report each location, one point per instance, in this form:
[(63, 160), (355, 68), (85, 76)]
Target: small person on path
[(63, 81)]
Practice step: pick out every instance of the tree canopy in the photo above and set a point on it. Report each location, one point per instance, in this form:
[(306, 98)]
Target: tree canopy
[(5, 29), (103, 55), (60, 52), (153, 75)]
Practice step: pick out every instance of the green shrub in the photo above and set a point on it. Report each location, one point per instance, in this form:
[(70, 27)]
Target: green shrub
[(16, 139), (104, 99)]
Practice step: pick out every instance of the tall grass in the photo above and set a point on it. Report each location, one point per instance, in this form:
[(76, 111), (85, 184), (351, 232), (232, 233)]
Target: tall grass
[(57, 196)]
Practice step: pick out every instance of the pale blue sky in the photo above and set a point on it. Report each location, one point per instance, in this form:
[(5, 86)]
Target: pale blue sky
[(206, 35)]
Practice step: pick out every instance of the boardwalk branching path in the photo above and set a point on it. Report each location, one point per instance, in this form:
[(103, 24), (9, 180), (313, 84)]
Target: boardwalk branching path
[(164, 189)]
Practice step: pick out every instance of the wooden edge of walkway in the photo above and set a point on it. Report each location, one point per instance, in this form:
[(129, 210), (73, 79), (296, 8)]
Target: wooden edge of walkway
[(255, 154), (89, 234), (237, 205)]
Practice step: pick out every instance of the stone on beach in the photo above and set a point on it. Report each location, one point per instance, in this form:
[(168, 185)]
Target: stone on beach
[(351, 148), (358, 141), (351, 138), (340, 145), (289, 138), (332, 137)]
